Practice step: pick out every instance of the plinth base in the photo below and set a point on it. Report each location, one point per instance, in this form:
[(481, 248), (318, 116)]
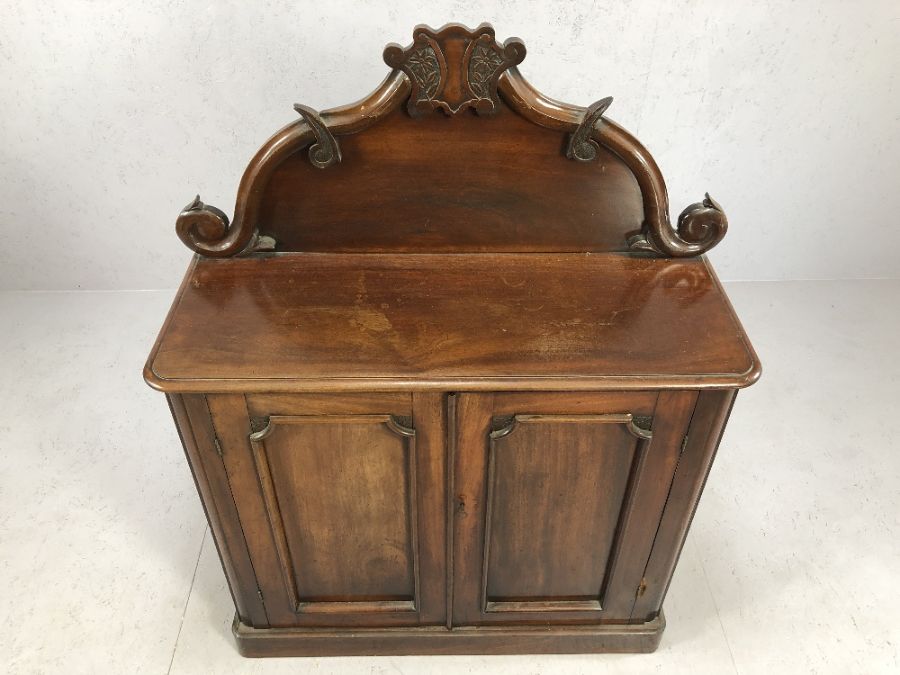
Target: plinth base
[(609, 638)]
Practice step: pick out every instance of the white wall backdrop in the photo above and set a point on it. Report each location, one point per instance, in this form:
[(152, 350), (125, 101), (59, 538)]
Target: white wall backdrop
[(114, 114)]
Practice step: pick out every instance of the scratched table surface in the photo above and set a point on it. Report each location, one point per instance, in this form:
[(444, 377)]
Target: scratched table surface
[(314, 321)]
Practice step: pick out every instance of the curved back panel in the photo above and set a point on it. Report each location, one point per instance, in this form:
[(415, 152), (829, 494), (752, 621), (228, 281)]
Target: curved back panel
[(454, 152), (461, 183)]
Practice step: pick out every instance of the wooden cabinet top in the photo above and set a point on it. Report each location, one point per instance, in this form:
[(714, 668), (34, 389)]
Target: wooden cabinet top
[(444, 321), (456, 229)]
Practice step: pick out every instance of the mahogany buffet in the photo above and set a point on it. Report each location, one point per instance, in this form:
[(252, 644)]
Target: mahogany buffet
[(450, 381)]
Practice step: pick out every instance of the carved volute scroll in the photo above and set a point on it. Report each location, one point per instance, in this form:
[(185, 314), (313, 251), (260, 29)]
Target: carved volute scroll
[(637, 426), (325, 151), (700, 227), (454, 70), (206, 230), (581, 146)]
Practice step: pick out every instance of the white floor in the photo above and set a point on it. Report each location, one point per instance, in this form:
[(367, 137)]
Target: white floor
[(792, 565)]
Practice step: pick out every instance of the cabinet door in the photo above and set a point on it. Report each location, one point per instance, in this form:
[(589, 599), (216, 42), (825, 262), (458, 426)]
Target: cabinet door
[(341, 500), (557, 501)]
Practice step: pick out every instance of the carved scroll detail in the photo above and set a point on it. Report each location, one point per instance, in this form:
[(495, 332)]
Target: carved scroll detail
[(402, 426), (261, 428), (325, 151), (502, 426), (700, 227), (206, 230), (454, 68), (581, 146), (637, 426)]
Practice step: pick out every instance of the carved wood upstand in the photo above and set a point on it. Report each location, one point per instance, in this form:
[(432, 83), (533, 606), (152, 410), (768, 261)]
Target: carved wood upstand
[(450, 381)]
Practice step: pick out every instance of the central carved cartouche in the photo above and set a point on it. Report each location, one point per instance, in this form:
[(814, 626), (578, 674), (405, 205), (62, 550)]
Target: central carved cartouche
[(454, 68)]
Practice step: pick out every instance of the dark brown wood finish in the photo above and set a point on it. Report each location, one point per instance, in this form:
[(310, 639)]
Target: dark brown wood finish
[(195, 429), (531, 563), (430, 420), (399, 322), (490, 193), (694, 464), (341, 503), (454, 68), (428, 171), (555, 512), (440, 383), (554, 639), (336, 506)]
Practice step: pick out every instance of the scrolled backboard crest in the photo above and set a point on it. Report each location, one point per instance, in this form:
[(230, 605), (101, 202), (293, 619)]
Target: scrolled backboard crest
[(526, 173), (454, 68)]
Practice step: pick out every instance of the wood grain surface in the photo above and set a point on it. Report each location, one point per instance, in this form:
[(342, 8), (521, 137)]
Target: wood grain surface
[(319, 322)]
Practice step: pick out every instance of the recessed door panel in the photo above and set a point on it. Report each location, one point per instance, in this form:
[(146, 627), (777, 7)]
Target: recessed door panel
[(556, 487), (555, 513), (343, 513), (340, 499)]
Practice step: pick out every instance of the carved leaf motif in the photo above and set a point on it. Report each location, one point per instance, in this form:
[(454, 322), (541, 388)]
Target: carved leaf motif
[(424, 66), (454, 68), (482, 66)]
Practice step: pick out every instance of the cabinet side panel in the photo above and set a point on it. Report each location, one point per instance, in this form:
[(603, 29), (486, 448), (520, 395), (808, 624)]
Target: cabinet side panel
[(646, 501), (704, 435), (232, 427), (194, 427)]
